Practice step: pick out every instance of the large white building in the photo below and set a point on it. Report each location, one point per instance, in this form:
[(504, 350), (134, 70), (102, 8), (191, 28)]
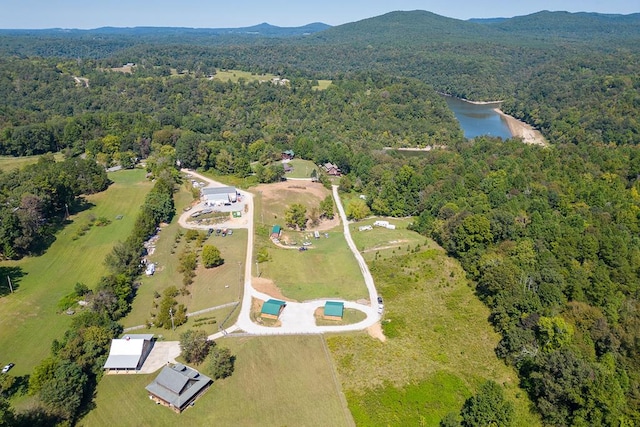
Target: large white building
[(129, 353), (212, 196)]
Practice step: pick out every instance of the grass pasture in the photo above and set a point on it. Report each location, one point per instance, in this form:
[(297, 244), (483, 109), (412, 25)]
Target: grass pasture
[(277, 381), (235, 75), (439, 347), (301, 168), (28, 318), (382, 242)]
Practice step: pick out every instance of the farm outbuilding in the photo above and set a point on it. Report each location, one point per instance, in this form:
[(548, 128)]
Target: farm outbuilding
[(276, 231), (333, 310), (178, 386), (213, 196), (129, 353), (272, 308)]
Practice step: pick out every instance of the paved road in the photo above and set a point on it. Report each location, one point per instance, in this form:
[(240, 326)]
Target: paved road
[(297, 317)]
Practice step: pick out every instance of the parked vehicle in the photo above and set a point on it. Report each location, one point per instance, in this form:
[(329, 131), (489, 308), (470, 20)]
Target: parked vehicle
[(8, 367)]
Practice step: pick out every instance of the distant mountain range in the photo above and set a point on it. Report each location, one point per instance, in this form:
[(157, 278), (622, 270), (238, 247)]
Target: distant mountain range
[(394, 25), (261, 30)]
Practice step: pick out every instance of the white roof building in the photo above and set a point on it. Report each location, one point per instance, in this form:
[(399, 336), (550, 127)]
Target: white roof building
[(213, 195), (129, 352)]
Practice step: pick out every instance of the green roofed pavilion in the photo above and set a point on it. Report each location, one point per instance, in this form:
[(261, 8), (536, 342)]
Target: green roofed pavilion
[(272, 308), (333, 310), (275, 231)]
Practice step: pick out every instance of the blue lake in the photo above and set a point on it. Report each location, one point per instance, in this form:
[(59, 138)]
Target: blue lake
[(478, 119)]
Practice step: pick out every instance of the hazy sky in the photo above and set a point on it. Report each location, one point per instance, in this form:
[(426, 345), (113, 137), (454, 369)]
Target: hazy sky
[(240, 13)]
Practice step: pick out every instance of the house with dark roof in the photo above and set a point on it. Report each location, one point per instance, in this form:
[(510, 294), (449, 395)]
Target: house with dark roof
[(288, 155), (331, 169), (333, 310), (272, 308), (178, 386), (129, 353)]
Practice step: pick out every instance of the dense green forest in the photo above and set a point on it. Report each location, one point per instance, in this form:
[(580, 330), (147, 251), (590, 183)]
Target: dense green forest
[(549, 237)]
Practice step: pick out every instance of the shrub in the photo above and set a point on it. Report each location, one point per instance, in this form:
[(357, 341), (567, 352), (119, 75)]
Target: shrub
[(211, 256)]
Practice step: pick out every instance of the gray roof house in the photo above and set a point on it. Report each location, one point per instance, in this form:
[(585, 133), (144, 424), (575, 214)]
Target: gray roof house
[(129, 353), (178, 386)]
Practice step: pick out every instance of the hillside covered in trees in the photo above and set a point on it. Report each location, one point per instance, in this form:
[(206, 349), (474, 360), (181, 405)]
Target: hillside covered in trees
[(548, 236)]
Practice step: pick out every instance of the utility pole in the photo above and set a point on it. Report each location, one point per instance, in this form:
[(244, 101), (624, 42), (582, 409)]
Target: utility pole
[(257, 269), (10, 285), (173, 326)]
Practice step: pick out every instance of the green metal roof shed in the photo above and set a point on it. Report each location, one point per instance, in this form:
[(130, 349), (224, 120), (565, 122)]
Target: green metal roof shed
[(275, 231), (333, 309), (272, 307)]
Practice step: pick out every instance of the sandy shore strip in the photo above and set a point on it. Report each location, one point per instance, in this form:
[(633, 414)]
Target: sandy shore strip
[(522, 130)]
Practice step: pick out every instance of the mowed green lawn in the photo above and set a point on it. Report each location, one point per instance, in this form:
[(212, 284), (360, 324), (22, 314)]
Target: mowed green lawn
[(8, 163), (301, 168), (279, 381), (28, 318), (439, 347), (327, 270)]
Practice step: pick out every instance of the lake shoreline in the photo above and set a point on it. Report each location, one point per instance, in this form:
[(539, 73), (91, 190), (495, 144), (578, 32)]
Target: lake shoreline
[(470, 101), (522, 130)]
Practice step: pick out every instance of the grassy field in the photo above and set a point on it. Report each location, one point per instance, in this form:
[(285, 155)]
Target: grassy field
[(8, 163), (328, 269), (301, 168), (211, 287), (235, 75), (323, 84), (275, 203), (28, 318), (381, 243), (349, 317), (277, 381), (439, 347)]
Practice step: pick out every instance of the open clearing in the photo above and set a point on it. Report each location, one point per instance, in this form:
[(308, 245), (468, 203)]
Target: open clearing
[(301, 168), (277, 381), (28, 318), (276, 198), (439, 346), (235, 75), (328, 269), (8, 163), (382, 242), (323, 84)]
